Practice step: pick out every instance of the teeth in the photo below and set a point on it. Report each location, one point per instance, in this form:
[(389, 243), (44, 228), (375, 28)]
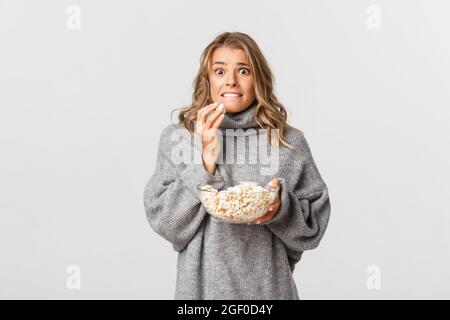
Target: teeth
[(231, 95)]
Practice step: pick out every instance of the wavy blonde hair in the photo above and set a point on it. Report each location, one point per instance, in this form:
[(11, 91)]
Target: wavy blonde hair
[(270, 113)]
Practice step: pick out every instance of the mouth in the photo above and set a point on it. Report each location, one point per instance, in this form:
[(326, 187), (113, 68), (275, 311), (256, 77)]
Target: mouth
[(231, 95)]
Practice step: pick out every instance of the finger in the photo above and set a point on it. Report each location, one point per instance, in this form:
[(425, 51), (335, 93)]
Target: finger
[(199, 126), (257, 221), (201, 117), (218, 122), (271, 212), (262, 220), (268, 216), (215, 115), (204, 111), (275, 182)]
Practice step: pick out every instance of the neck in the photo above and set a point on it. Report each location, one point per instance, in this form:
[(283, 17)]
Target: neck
[(240, 120)]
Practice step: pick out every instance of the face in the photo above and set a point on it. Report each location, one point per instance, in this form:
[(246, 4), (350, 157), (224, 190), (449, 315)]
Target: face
[(231, 79)]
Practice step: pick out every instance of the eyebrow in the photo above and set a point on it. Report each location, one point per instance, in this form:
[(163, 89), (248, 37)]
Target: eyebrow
[(239, 63)]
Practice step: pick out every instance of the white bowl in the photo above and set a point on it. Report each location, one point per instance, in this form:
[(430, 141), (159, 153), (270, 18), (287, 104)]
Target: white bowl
[(239, 204)]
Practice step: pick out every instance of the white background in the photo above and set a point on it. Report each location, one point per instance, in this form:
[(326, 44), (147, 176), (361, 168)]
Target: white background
[(82, 111)]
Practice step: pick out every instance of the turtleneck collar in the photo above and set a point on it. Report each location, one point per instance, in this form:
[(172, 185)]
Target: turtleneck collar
[(240, 120)]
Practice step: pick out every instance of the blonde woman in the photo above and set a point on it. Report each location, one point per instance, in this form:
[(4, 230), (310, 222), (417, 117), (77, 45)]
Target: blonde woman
[(233, 98)]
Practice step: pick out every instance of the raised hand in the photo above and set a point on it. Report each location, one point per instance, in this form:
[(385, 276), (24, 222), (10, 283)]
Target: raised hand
[(206, 130)]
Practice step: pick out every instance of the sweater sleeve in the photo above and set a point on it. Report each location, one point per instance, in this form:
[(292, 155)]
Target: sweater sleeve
[(304, 211), (171, 202)]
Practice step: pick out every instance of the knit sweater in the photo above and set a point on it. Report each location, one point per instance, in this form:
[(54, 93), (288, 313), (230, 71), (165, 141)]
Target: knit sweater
[(220, 260)]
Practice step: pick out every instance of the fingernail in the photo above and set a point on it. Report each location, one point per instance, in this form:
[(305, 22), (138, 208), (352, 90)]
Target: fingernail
[(258, 222), (220, 107)]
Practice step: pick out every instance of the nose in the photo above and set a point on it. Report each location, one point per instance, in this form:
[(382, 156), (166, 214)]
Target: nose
[(231, 80)]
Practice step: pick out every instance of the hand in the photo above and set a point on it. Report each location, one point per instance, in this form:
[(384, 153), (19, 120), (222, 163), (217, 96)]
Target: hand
[(206, 131), (274, 206)]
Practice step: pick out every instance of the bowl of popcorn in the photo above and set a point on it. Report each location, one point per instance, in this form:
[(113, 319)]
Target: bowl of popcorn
[(242, 203)]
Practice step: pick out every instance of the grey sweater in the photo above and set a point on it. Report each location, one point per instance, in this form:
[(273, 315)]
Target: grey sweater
[(219, 260)]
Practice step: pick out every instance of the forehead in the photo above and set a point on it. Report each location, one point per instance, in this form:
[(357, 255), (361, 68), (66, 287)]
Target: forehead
[(229, 55)]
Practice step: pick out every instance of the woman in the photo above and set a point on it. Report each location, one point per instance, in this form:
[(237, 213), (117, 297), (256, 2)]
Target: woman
[(234, 99)]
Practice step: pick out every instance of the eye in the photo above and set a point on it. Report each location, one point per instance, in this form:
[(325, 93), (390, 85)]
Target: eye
[(246, 71), (217, 72)]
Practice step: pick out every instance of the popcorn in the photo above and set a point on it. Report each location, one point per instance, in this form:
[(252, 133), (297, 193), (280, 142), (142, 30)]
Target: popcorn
[(242, 203)]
